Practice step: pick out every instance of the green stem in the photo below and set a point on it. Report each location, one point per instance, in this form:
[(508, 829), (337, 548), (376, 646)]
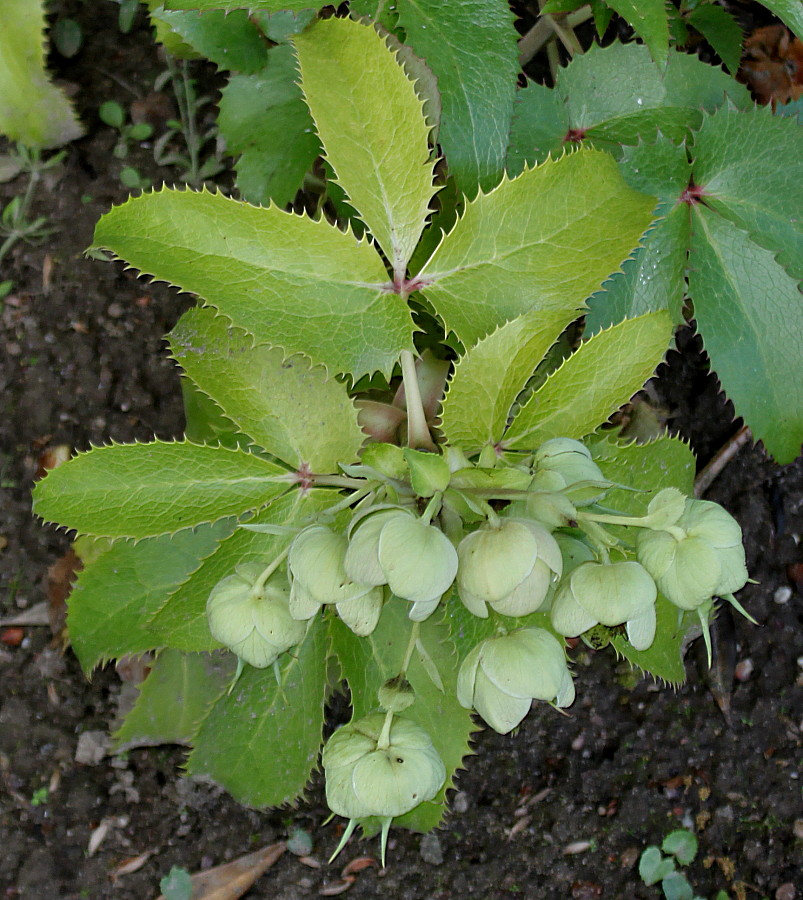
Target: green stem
[(383, 741), (259, 584), (346, 502), (408, 653), (433, 508), (417, 429), (19, 228)]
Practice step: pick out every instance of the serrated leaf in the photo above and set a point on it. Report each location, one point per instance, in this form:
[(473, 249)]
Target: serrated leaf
[(263, 117), (593, 382), (617, 95), (229, 5), (664, 658), (261, 741), (490, 375), (144, 490), (180, 621), (279, 26), (721, 31), (230, 40), (749, 312), (654, 277), (649, 21), (790, 12), (544, 240), (372, 125), (116, 594), (367, 663), (286, 279), (471, 47), (174, 698), (682, 844), (32, 110), (744, 163), (290, 409)]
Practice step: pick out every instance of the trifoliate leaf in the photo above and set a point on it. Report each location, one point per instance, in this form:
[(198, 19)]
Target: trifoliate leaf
[(116, 594), (180, 620), (541, 241), (263, 117), (593, 382), (288, 280), (367, 663), (617, 95), (174, 698), (491, 374), (144, 490), (750, 315), (32, 110), (261, 741), (371, 123), (295, 412), (744, 162), (471, 48)]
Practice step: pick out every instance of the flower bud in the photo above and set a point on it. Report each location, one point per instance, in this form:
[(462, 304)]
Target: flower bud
[(315, 562), (572, 462), (256, 625), (361, 614), (365, 780), (396, 694), (501, 676), (700, 557), (607, 594), (509, 565), (362, 557)]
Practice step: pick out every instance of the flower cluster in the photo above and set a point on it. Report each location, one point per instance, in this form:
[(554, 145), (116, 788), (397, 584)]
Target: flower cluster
[(520, 545)]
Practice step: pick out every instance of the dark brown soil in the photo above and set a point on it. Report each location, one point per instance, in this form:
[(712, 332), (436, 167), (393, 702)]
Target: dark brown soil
[(82, 361)]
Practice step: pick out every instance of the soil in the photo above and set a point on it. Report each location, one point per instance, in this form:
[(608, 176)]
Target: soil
[(561, 809)]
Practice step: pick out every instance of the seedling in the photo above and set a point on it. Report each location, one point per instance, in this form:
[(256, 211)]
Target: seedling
[(114, 115), (679, 849)]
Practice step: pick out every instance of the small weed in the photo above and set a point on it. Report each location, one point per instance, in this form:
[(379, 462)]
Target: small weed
[(176, 885), (40, 796), (660, 864), (113, 114)]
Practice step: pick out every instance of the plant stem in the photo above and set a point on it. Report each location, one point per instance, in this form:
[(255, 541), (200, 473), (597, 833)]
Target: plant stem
[(19, 228), (417, 429), (260, 583), (383, 742)]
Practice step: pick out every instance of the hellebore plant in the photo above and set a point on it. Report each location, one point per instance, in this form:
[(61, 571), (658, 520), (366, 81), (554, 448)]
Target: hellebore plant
[(371, 474)]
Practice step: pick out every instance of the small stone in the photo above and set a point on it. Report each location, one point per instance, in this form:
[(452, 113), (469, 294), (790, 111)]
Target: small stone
[(798, 829), (460, 802), (782, 595), (430, 849), (115, 310), (299, 843), (92, 747), (786, 892), (743, 670)]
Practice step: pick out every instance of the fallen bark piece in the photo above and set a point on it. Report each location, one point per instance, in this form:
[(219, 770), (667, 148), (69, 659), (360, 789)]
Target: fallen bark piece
[(231, 880)]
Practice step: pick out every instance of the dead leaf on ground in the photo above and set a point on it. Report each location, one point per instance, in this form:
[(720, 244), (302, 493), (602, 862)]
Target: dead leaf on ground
[(231, 880), (772, 65), (60, 578)]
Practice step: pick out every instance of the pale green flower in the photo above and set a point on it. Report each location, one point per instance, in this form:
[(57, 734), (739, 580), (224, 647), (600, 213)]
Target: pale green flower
[(501, 677)]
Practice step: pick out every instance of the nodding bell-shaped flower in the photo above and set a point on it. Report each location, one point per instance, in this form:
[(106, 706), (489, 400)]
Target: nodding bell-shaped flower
[(508, 565), (607, 594), (315, 563), (501, 677), (253, 623), (700, 557), (417, 561), (561, 463), (369, 773)]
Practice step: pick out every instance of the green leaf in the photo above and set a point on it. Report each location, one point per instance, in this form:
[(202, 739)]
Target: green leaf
[(721, 31), (372, 125), (229, 5), (367, 663), (289, 280), (181, 621), (279, 26), (654, 277), (471, 47), (545, 240), (750, 315), (32, 110), (681, 844), (649, 20), (617, 95), (676, 887), (264, 118), (664, 658), (230, 40), (653, 866), (491, 374), (261, 741), (290, 409), (593, 382), (143, 490), (790, 12), (117, 593), (746, 164), (174, 698)]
